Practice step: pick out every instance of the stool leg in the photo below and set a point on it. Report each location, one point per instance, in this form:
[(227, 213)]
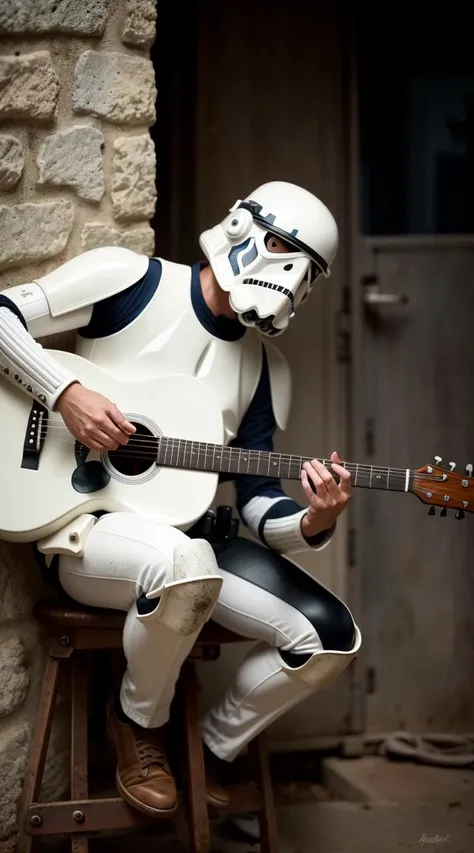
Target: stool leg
[(198, 820), (39, 743), (79, 786), (266, 817)]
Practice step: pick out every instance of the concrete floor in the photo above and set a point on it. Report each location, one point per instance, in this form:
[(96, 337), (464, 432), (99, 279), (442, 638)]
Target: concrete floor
[(388, 807)]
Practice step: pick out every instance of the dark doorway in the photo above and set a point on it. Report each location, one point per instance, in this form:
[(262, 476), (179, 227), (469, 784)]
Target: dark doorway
[(174, 55), (416, 96)]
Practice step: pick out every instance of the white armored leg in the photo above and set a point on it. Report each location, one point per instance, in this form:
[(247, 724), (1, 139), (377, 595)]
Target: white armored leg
[(264, 689), (167, 583), (158, 639)]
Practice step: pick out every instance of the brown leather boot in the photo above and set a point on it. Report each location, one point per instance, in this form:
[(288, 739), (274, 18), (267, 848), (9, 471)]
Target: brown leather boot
[(143, 777), (217, 796)]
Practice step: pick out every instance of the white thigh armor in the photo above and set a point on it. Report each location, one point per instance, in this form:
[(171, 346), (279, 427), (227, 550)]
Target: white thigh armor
[(187, 602), (324, 667), (168, 631)]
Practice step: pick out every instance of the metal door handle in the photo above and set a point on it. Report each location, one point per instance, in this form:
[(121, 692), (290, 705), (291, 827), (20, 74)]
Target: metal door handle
[(373, 296)]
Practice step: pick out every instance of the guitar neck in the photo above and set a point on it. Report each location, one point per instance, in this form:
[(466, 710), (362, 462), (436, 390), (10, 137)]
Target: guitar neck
[(202, 456)]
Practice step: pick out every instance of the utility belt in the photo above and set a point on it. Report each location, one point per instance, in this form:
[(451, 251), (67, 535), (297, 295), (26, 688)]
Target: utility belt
[(215, 525)]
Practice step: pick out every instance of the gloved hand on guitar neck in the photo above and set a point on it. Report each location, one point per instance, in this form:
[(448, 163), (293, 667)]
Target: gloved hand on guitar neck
[(93, 419)]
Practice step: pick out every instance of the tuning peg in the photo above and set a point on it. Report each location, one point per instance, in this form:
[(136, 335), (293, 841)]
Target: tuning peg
[(444, 512), (459, 515), (452, 466), (431, 511), (438, 460), (469, 469)]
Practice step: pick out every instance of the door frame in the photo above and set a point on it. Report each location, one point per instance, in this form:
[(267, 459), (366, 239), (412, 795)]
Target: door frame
[(357, 265), (362, 251)]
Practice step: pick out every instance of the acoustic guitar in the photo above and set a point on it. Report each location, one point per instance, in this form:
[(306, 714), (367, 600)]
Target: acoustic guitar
[(170, 467)]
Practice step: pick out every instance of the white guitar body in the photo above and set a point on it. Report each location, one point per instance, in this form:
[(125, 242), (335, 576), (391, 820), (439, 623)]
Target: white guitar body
[(38, 501)]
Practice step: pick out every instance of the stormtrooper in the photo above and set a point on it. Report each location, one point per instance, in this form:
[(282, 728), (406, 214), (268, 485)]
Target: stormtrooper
[(140, 317)]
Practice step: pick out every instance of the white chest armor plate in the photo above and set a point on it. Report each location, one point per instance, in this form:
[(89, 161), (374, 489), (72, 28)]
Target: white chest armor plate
[(167, 338)]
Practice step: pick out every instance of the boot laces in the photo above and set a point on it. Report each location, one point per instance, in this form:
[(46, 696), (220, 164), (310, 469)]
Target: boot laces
[(150, 752)]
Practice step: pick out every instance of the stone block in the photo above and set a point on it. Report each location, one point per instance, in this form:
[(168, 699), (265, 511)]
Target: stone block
[(78, 17), (13, 760), (95, 234), (116, 87), (55, 785), (133, 178), (140, 240), (11, 161), (73, 158), (30, 232), (20, 581), (29, 86), (140, 23), (14, 679)]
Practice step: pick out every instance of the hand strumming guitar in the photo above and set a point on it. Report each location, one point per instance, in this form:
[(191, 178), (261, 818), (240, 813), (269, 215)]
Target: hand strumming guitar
[(329, 499), (93, 419)]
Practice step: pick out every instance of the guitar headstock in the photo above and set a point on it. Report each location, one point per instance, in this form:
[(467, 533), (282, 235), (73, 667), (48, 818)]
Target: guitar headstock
[(437, 486)]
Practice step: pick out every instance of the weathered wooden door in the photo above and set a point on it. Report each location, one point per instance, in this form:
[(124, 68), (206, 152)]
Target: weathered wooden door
[(413, 369), (268, 104)]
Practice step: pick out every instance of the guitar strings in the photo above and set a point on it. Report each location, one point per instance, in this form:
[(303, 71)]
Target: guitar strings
[(151, 443), (144, 441), (395, 476), (152, 458)]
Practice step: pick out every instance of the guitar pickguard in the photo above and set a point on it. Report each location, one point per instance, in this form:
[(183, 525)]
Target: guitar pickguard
[(90, 477)]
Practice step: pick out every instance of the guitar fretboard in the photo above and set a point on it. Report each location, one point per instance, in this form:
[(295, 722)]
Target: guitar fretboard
[(203, 456)]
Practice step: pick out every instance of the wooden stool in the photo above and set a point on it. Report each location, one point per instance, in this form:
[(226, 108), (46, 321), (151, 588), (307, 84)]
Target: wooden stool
[(75, 632)]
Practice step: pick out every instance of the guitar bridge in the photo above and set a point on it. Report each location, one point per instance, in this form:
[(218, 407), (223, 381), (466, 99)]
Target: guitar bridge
[(35, 436)]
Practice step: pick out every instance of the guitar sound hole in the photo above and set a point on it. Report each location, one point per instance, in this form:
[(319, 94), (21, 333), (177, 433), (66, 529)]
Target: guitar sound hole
[(138, 455)]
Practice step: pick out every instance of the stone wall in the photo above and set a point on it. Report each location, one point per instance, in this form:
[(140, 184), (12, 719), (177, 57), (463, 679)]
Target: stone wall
[(77, 170)]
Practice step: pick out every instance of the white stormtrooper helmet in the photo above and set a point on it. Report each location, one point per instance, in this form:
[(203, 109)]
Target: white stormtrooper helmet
[(266, 285)]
